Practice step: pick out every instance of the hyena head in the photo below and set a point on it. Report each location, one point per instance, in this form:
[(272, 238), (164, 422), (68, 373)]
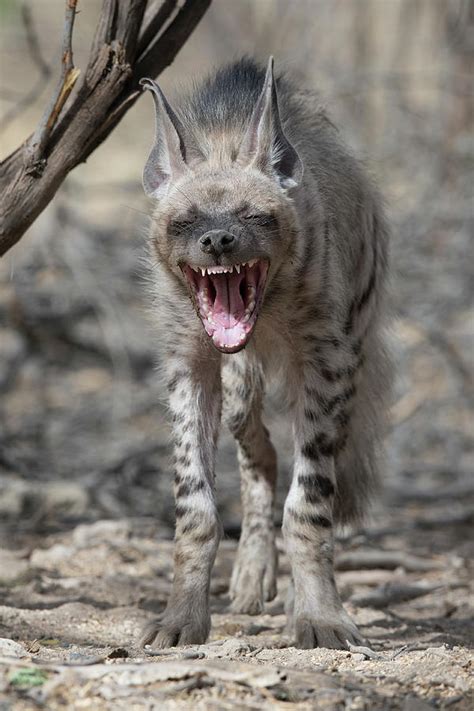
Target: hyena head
[(224, 220)]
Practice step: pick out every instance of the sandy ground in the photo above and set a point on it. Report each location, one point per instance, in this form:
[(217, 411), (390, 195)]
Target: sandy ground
[(73, 604)]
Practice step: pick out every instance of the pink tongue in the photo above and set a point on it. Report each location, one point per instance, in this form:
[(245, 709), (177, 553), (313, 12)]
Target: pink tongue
[(228, 307)]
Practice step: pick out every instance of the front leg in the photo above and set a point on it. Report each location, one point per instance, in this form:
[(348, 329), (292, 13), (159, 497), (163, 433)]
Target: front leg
[(195, 402), (315, 611)]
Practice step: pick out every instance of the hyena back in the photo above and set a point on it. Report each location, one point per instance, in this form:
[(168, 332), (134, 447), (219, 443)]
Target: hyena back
[(269, 250)]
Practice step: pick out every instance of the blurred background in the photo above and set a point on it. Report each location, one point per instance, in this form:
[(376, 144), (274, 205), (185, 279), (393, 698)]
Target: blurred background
[(83, 429)]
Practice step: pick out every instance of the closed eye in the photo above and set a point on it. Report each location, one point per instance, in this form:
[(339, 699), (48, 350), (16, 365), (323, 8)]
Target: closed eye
[(180, 225), (259, 218)]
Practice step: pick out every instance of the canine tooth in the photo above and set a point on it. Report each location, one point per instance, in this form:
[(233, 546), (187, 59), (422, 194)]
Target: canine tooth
[(237, 267)]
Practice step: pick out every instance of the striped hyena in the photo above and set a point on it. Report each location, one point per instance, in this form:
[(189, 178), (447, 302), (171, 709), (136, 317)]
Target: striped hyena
[(269, 251)]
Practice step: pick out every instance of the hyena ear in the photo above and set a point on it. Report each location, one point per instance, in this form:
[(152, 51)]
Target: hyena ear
[(167, 159), (265, 145)]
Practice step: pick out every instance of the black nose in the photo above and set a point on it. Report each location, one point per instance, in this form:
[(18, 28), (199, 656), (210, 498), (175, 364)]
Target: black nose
[(216, 242)]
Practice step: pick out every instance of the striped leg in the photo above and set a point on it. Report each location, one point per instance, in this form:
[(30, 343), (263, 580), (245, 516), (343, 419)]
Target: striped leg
[(254, 574), (195, 404), (318, 616)]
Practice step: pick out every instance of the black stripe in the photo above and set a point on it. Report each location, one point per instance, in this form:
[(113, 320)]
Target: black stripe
[(359, 302), (323, 446), (333, 376), (310, 519), (330, 405), (181, 511), (191, 526), (186, 488), (316, 485)]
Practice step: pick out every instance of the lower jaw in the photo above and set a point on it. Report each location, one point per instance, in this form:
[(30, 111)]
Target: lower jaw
[(229, 340)]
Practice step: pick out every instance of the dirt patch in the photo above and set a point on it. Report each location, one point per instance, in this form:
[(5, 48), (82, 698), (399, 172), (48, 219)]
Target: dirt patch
[(74, 603)]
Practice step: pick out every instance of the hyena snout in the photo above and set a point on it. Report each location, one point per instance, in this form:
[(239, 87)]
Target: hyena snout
[(217, 242)]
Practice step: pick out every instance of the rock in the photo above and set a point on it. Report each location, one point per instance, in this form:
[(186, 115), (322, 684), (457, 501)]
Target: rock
[(11, 567), (233, 647), (412, 703), (13, 494), (65, 497), (12, 351), (50, 557), (9, 648), (90, 534)]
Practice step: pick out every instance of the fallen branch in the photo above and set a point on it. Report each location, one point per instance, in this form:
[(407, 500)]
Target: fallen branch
[(391, 594), (386, 560)]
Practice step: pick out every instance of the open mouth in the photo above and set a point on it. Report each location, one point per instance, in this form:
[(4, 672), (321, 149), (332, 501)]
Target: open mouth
[(228, 299)]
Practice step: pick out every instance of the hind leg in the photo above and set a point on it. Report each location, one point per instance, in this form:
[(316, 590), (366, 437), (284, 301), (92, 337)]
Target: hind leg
[(254, 575)]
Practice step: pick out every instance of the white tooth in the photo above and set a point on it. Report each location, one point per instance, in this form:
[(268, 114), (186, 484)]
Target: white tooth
[(237, 266), (195, 269), (252, 262), (203, 271), (251, 305)]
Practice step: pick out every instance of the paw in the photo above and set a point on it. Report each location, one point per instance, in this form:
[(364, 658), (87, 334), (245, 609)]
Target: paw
[(336, 631), (175, 631), (253, 580)]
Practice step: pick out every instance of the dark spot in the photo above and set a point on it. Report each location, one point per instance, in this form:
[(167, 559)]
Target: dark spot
[(242, 391), (174, 380), (183, 461), (342, 419), (311, 415)]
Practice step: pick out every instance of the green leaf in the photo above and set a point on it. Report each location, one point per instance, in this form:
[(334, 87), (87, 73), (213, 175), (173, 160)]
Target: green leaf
[(28, 678)]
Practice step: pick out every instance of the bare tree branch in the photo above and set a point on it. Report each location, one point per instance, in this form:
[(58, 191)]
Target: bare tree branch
[(69, 74), (128, 45)]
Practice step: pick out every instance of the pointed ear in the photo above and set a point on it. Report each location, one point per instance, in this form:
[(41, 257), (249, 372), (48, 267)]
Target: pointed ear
[(265, 145), (167, 159)]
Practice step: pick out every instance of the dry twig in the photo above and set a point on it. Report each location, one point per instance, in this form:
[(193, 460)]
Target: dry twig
[(69, 75)]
